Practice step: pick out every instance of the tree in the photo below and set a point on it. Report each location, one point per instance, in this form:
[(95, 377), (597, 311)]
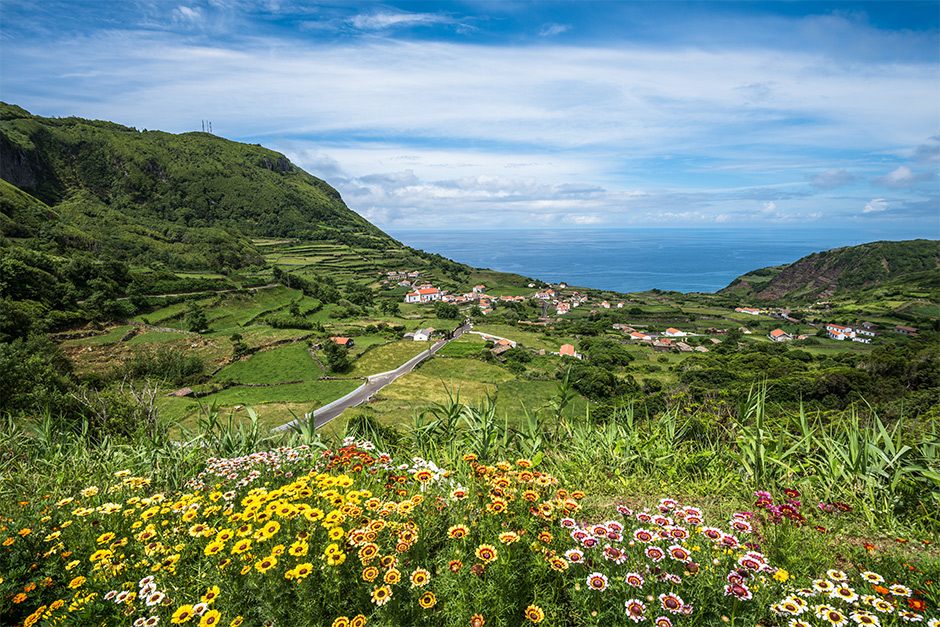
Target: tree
[(196, 318), (389, 307), (446, 311), (337, 356)]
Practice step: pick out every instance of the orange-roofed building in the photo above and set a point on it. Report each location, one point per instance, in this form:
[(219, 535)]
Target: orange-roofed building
[(779, 335), (423, 295)]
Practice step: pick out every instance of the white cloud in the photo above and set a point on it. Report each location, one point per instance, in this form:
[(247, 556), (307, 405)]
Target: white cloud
[(583, 220), (902, 177), (550, 30), (382, 21), (875, 205), (421, 132), (833, 178), (192, 14)]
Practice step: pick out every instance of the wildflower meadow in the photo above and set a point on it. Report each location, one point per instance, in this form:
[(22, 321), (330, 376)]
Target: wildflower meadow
[(349, 534)]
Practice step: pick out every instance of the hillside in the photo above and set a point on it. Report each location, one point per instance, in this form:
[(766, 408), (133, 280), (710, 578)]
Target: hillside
[(839, 271), (188, 201)]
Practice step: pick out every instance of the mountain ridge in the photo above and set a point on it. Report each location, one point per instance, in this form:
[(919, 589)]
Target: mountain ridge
[(836, 271), (156, 190)]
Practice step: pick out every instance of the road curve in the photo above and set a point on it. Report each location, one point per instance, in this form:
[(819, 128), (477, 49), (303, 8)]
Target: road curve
[(373, 384)]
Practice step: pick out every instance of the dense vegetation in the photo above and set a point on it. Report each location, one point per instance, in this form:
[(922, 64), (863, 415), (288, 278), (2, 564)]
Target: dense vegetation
[(814, 462), (189, 201), (841, 270), (593, 523)]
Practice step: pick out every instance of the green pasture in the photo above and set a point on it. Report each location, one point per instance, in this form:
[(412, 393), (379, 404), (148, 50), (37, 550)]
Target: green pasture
[(200, 275), (928, 310), (429, 385), (457, 369), (706, 311), (263, 334), (154, 337), (748, 318), (435, 381), (273, 404), (271, 241), (523, 336), (158, 316), (386, 357), (463, 347), (517, 396), (285, 363), (235, 310), (113, 335), (363, 342), (321, 392)]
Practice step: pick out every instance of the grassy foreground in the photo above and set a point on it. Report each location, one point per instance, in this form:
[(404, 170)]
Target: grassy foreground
[(460, 520)]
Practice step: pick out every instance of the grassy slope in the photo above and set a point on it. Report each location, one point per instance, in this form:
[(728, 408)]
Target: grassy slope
[(192, 199), (840, 271)]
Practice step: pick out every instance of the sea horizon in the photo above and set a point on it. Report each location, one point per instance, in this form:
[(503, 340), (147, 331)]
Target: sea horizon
[(638, 259)]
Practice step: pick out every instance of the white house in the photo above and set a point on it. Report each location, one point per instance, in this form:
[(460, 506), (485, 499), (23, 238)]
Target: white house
[(423, 295), (670, 332), (423, 335)]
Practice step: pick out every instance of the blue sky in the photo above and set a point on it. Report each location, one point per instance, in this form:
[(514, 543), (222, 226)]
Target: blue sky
[(502, 114)]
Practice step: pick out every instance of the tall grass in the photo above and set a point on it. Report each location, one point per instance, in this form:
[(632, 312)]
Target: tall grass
[(817, 491)]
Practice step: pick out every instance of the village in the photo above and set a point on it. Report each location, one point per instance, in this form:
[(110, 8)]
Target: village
[(561, 301)]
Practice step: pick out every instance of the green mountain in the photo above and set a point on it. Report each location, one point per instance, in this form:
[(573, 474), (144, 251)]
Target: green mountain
[(189, 201), (911, 264)]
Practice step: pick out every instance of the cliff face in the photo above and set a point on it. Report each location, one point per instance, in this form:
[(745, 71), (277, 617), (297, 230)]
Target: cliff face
[(829, 273), (21, 167)]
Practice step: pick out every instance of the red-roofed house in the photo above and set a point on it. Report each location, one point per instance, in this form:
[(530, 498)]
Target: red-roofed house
[(344, 341), (568, 349), (423, 295), (779, 335), (670, 332)]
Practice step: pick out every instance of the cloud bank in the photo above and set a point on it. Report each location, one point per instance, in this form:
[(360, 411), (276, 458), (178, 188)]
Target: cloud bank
[(517, 115)]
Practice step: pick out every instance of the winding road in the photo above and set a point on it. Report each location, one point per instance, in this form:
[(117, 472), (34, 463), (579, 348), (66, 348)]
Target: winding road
[(373, 384)]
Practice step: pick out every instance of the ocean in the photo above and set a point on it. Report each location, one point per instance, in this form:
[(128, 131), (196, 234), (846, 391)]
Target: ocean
[(633, 260)]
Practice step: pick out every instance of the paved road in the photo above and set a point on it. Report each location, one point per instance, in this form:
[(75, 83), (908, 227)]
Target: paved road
[(373, 384)]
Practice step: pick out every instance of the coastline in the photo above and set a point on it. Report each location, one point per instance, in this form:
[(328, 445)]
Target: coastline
[(635, 260)]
